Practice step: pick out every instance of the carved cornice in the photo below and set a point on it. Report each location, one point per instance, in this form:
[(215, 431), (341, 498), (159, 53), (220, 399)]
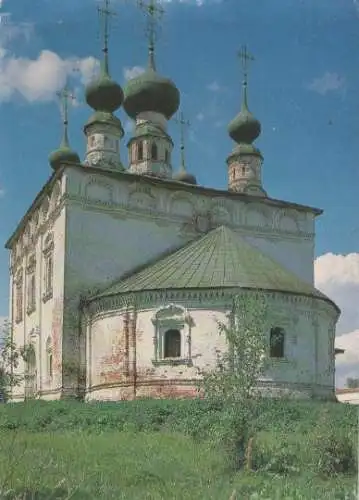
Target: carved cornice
[(190, 225), (198, 299)]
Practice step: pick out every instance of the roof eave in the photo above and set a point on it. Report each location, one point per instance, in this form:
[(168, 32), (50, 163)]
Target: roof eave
[(148, 290), (46, 187), (220, 192)]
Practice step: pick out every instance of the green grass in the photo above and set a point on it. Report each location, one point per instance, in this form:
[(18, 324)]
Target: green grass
[(168, 450)]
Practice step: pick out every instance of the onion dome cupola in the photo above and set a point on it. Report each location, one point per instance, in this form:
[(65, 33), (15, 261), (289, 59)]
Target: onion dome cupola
[(64, 154), (151, 100), (151, 92), (245, 161), (103, 129), (182, 175)]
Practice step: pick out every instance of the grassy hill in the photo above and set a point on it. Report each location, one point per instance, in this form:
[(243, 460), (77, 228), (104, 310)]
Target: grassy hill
[(155, 449)]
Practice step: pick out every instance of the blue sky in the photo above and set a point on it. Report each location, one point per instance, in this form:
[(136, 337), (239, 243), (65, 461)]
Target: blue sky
[(303, 87)]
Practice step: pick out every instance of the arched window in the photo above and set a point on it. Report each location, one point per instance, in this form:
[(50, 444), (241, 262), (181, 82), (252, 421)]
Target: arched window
[(243, 170), (154, 151), (167, 156), (49, 358), (277, 342), (140, 151), (172, 344)]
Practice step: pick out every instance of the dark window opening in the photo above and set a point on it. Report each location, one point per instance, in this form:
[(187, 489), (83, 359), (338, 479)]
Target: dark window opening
[(154, 151), (167, 156), (140, 151), (277, 342), (172, 344)]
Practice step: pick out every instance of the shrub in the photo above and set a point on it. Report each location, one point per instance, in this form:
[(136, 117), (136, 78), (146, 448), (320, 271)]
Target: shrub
[(333, 448)]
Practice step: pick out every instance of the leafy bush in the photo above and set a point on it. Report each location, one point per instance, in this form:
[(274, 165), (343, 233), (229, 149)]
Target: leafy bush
[(333, 448)]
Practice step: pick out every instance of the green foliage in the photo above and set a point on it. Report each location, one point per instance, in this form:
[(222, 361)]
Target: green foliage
[(27, 351), (352, 383), (9, 361), (234, 379), (138, 465), (334, 449)]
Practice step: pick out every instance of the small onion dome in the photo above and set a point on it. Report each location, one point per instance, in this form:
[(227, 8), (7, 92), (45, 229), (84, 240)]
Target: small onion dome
[(245, 128), (63, 155), (151, 92), (103, 93), (184, 176)]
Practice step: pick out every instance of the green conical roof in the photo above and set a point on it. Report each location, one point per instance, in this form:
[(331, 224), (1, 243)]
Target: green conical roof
[(150, 91), (219, 259), (244, 128), (103, 93)]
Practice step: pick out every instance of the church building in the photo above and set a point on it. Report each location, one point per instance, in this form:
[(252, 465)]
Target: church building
[(121, 268)]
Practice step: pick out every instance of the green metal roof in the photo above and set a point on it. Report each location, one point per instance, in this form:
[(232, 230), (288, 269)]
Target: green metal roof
[(219, 259)]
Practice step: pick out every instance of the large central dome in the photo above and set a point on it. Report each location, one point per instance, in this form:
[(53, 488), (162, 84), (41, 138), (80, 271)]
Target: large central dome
[(150, 91)]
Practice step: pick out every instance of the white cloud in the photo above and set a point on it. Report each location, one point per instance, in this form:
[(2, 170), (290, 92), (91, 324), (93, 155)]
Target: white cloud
[(338, 277), (130, 73), (347, 364), (200, 117), (214, 87), (327, 83), (39, 79)]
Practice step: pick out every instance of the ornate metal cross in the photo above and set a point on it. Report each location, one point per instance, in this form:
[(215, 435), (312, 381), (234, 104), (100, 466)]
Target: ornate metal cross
[(154, 12), (245, 58), (105, 14), (65, 96)]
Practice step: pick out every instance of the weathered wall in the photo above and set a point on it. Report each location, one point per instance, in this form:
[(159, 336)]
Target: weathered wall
[(305, 368), (44, 323)]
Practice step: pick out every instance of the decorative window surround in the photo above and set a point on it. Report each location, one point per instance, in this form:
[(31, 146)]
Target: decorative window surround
[(48, 253), (31, 285), (172, 317), (19, 296)]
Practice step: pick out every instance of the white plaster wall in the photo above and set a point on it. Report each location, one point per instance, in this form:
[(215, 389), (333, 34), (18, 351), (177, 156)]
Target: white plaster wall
[(299, 367), (101, 248), (348, 397), (46, 320), (296, 256)]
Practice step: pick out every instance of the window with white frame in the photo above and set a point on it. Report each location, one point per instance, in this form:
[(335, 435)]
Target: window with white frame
[(31, 285), (172, 335), (48, 253), (19, 296)]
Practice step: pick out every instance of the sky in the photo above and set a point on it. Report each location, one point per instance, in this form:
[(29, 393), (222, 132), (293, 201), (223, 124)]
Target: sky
[(303, 87)]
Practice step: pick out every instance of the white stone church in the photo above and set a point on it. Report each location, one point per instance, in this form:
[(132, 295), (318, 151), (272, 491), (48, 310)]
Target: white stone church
[(121, 269)]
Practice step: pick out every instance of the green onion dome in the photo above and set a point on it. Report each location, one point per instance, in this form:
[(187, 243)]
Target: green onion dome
[(184, 176), (103, 93), (244, 128), (63, 155), (150, 91)]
